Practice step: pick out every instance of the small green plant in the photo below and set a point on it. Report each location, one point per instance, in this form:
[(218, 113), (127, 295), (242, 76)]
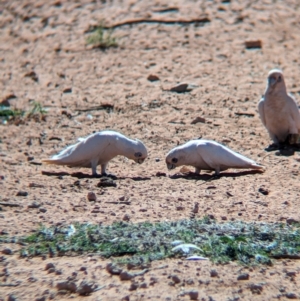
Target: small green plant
[(102, 39), (37, 108), (7, 112)]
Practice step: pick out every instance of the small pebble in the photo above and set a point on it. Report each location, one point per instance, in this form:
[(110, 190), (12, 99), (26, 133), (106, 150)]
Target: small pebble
[(193, 294), (175, 279), (244, 276), (91, 196), (7, 251), (22, 193), (49, 265), (126, 217), (213, 273), (43, 210)]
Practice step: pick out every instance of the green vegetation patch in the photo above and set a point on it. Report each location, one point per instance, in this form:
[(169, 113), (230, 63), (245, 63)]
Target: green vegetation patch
[(101, 38), (248, 243)]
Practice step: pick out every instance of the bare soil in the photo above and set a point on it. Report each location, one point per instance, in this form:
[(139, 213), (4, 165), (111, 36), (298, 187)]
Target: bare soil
[(44, 57)]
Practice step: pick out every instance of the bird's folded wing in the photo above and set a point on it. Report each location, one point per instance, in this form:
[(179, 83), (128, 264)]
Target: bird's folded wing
[(261, 111), (294, 111)]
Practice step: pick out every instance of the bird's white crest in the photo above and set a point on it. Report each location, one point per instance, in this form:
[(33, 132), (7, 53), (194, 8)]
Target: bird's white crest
[(98, 149), (278, 110), (208, 155)]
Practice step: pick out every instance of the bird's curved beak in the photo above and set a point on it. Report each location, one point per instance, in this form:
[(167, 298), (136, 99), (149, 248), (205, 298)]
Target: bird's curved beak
[(140, 161), (170, 166), (272, 81)]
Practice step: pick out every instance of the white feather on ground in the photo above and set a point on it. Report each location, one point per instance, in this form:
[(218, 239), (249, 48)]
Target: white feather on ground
[(99, 149), (278, 110), (208, 155)]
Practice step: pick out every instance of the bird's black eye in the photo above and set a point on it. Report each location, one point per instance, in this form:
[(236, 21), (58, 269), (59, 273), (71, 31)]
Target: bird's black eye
[(138, 154), (174, 160), (279, 79)]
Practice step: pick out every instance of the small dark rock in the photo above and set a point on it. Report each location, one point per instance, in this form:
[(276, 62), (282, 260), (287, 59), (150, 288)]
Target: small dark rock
[(86, 288), (152, 78), (256, 288), (291, 274), (126, 298), (175, 279), (58, 272), (181, 88), (49, 265), (124, 275), (22, 193), (213, 273), (91, 196), (244, 276), (291, 221), (291, 296), (255, 44), (67, 90), (157, 159), (198, 119), (67, 286), (51, 270), (161, 174), (190, 282), (193, 294), (7, 251), (263, 191), (143, 285), (43, 210), (83, 269), (12, 298), (133, 286), (34, 205), (126, 217), (113, 269), (43, 298)]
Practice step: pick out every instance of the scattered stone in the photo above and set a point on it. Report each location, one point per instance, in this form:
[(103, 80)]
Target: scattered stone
[(86, 288), (190, 281), (22, 193), (43, 298), (43, 210), (126, 217), (291, 221), (244, 276), (157, 159), (91, 196), (198, 119), (291, 296), (291, 274), (124, 275), (175, 279), (113, 269), (51, 270), (58, 272), (67, 90), (152, 78), (5, 101), (49, 265), (161, 174), (107, 182), (7, 251), (263, 191), (196, 208), (34, 205), (83, 269), (143, 285), (126, 298), (213, 273), (12, 298), (255, 44), (224, 218), (256, 288), (32, 75), (67, 286), (134, 286), (181, 88), (193, 294)]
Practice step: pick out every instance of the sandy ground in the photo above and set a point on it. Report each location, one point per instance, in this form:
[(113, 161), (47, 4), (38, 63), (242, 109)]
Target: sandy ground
[(71, 79)]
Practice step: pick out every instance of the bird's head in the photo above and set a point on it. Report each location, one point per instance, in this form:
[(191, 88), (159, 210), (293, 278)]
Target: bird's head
[(275, 80), (140, 152), (175, 158)]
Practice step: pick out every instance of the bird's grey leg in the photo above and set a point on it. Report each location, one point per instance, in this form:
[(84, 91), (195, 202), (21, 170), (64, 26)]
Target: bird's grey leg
[(103, 169), (94, 163), (293, 138), (197, 170), (217, 171)]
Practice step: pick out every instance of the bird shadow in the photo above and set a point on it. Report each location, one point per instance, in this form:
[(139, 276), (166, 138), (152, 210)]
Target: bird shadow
[(283, 149), (208, 177), (81, 175)]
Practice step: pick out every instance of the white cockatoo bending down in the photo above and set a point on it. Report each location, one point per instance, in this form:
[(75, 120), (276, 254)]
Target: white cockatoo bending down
[(99, 149), (208, 155), (278, 111)]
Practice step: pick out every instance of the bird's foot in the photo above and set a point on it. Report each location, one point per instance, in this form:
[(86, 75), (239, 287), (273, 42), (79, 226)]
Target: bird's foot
[(109, 175), (272, 147)]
